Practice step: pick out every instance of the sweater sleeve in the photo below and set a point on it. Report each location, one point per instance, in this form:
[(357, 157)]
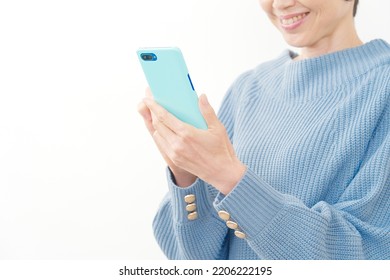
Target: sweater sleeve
[(357, 226), (181, 237)]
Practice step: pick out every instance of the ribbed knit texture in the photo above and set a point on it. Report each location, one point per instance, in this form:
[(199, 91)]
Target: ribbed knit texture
[(315, 136)]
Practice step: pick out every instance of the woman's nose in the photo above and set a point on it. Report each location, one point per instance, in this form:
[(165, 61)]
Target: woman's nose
[(283, 4)]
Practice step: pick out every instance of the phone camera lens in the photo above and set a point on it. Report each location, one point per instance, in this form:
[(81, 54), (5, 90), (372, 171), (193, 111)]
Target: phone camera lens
[(149, 56)]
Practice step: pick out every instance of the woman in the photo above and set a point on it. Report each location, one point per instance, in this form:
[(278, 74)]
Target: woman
[(297, 166)]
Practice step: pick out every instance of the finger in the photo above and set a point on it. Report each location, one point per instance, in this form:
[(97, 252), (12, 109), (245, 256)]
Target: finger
[(208, 111), (165, 132), (172, 150), (163, 116), (149, 126), (144, 111), (163, 146), (148, 92)]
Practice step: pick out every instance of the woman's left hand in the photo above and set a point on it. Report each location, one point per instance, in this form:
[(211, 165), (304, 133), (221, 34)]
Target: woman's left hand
[(208, 154)]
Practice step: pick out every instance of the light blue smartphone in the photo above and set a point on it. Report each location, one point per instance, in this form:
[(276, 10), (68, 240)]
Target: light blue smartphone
[(170, 83)]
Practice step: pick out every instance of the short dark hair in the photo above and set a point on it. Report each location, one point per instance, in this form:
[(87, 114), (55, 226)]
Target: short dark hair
[(355, 7)]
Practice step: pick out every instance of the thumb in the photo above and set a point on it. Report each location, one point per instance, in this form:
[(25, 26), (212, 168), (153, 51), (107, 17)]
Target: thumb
[(207, 111)]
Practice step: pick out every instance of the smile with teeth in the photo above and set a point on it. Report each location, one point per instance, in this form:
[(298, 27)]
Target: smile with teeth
[(293, 20)]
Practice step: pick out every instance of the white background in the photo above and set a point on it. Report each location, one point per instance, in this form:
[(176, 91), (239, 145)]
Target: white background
[(79, 175)]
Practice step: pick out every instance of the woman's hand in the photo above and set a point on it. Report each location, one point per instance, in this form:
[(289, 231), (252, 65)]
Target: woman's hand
[(207, 154), (182, 177)]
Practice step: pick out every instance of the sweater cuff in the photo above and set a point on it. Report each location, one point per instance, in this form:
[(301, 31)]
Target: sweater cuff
[(203, 201), (252, 204)]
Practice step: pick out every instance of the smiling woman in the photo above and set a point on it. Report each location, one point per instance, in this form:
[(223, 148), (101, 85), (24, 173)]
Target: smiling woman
[(296, 165), (317, 26)]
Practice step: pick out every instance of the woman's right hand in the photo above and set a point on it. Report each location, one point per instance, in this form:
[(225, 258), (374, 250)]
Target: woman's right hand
[(182, 177)]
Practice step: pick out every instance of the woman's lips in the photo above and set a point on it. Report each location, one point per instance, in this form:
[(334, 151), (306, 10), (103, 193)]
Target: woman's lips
[(292, 21)]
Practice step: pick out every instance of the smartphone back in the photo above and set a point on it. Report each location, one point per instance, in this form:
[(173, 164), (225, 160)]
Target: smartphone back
[(170, 83)]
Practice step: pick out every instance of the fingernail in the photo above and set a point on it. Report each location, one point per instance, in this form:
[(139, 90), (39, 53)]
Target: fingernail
[(204, 99)]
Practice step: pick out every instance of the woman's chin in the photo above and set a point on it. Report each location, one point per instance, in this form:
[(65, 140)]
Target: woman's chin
[(295, 41)]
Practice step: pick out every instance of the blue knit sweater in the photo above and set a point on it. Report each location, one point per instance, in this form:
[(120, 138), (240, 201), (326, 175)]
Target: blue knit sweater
[(315, 136)]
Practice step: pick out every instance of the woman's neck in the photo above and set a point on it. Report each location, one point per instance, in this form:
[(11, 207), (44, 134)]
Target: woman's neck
[(334, 43)]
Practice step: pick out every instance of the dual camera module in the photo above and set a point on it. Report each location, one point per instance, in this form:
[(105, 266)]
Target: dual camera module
[(149, 56)]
